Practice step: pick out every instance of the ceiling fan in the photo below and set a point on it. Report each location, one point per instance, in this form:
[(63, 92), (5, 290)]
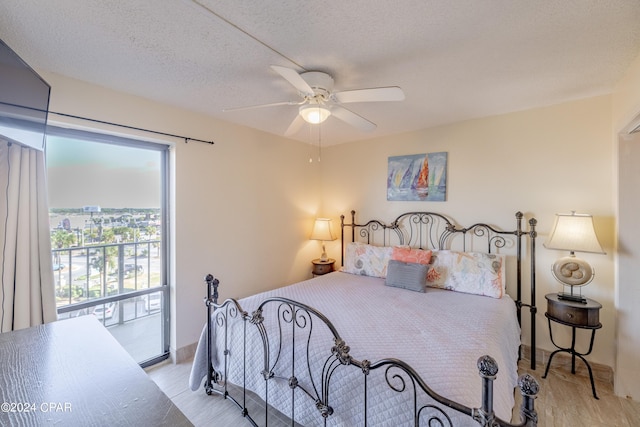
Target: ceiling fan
[(319, 102)]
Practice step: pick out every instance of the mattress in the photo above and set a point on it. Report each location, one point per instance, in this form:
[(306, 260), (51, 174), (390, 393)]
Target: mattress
[(439, 333)]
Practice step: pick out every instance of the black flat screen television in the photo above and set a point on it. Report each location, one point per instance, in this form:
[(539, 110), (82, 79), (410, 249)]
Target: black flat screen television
[(24, 101)]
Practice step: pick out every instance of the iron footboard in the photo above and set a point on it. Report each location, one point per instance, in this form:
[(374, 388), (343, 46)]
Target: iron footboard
[(291, 327)]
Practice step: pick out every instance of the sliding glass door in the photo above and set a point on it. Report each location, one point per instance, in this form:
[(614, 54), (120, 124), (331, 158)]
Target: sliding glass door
[(108, 216)]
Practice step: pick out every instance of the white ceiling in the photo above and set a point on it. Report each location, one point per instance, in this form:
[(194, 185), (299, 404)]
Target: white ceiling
[(454, 59)]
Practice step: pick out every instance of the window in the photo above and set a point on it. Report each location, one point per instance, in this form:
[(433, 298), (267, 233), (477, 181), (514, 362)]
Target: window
[(107, 199)]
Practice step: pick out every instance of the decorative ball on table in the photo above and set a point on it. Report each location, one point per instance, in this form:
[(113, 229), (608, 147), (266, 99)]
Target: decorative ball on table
[(574, 233)]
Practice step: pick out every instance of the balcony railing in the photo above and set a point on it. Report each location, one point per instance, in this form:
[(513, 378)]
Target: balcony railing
[(121, 284), (86, 273)]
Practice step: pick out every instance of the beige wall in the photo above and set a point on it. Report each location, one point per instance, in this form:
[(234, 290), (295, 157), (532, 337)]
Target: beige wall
[(541, 162), (626, 110), (243, 209)]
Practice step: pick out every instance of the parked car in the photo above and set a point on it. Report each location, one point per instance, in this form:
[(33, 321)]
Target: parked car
[(57, 267), (130, 269), (152, 302), (105, 311)]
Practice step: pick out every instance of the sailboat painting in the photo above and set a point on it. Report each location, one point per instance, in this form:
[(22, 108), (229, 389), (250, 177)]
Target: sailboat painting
[(421, 177)]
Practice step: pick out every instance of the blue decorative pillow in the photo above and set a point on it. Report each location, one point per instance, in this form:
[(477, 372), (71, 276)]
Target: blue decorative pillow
[(407, 275)]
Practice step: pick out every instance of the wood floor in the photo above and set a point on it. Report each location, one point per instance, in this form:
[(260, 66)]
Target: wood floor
[(564, 400)]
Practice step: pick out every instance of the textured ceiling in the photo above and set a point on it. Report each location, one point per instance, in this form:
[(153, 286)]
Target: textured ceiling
[(454, 59)]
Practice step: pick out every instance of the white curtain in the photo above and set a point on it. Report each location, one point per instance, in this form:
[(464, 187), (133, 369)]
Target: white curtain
[(27, 297)]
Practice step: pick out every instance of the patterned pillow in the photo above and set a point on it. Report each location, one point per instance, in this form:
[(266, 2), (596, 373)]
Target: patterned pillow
[(469, 272), (408, 254), (407, 275), (367, 260)]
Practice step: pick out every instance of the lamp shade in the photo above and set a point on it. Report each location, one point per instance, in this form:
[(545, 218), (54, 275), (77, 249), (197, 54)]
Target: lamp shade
[(322, 230), (314, 113), (574, 232)]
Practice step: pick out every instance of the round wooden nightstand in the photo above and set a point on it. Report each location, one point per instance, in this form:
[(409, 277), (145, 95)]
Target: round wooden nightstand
[(575, 315), (322, 267)]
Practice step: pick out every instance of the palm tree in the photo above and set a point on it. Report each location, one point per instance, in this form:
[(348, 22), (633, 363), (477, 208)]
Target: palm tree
[(62, 239), (151, 231)]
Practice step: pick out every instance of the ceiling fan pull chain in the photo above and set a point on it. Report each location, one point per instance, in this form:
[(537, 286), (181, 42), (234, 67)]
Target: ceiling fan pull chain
[(319, 142), (310, 146)]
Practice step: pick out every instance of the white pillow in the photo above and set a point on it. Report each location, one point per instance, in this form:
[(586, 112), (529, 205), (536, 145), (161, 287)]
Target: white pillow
[(367, 260), (469, 272)]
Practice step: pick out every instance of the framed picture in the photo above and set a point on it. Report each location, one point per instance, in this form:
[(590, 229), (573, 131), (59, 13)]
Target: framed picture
[(421, 177)]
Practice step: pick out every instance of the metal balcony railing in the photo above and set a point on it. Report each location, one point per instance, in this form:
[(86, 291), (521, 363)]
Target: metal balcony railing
[(86, 276)]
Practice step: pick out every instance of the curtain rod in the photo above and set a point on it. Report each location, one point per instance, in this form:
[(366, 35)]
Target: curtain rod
[(186, 138)]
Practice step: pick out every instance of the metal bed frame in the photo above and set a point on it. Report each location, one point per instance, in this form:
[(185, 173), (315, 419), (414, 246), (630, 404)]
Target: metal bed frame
[(430, 230), (315, 379)]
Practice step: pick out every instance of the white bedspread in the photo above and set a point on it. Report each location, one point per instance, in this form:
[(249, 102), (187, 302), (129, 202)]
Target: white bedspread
[(441, 334)]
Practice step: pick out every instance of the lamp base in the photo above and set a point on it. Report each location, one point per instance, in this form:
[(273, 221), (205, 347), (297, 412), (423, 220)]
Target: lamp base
[(572, 297), (572, 271), (324, 256)]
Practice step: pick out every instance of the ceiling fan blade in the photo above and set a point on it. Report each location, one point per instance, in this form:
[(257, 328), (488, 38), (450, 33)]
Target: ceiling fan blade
[(352, 118), (295, 126), (273, 104), (294, 78), (391, 93)]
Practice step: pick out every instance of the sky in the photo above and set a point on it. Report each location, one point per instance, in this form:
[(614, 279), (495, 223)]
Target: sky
[(83, 173)]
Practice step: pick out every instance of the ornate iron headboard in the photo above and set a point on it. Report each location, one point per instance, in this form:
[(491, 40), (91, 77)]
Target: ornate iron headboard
[(430, 230)]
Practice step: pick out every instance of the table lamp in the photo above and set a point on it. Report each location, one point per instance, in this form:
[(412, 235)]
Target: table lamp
[(322, 231), (574, 233)]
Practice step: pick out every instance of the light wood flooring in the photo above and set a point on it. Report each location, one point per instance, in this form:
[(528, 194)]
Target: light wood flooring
[(564, 399)]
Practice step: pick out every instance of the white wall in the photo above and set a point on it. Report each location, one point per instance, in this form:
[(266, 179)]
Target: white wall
[(541, 162), (243, 209), (627, 373), (626, 110)]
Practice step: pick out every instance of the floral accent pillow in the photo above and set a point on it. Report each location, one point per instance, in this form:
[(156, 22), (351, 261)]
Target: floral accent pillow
[(408, 254), (469, 272), (367, 260)]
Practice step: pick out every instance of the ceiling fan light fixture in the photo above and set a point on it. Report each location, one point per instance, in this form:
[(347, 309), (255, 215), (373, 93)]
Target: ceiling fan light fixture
[(314, 113)]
